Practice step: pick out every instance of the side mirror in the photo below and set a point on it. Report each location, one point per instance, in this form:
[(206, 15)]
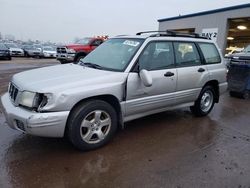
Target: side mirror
[(146, 78)]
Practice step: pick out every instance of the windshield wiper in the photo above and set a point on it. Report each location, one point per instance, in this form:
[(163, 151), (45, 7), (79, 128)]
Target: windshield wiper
[(92, 65)]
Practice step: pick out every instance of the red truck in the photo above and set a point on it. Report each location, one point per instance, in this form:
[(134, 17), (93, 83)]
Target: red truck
[(74, 52)]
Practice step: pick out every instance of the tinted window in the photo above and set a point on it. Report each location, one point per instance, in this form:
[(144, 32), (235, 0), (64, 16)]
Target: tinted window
[(84, 41), (156, 56), (186, 54), (97, 42), (210, 53)]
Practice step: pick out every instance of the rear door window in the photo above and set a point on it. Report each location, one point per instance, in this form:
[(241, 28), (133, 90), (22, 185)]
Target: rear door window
[(210, 53), (186, 54)]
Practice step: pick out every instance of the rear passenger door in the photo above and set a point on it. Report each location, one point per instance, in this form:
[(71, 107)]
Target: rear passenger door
[(191, 72), (213, 62)]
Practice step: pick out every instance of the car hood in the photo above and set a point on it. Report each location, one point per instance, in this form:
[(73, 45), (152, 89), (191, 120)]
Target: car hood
[(241, 56), (63, 77), (76, 45), (16, 49)]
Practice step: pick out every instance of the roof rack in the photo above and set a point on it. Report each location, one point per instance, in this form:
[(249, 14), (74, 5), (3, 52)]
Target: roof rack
[(170, 33), (144, 32)]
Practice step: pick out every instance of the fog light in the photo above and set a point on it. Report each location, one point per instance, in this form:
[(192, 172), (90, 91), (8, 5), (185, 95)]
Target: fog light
[(20, 125)]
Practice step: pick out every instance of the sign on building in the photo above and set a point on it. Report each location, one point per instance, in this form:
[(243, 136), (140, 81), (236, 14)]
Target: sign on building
[(210, 33)]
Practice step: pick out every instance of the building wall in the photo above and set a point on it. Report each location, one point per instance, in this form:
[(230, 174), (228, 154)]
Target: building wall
[(216, 20)]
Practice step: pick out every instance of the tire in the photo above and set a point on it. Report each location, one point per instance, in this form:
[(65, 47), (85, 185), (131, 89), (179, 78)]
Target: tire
[(62, 62), (78, 58), (246, 95), (92, 125), (205, 102), (9, 58), (233, 94)]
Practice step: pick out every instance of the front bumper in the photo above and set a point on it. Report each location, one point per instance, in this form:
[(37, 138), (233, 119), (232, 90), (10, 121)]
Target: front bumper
[(49, 55), (51, 124), (65, 57), (17, 54), (34, 54)]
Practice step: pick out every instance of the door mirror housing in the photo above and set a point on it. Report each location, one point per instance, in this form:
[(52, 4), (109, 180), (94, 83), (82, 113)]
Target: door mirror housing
[(146, 78)]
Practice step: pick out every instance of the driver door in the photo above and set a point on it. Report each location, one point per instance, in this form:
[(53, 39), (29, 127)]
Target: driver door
[(158, 59)]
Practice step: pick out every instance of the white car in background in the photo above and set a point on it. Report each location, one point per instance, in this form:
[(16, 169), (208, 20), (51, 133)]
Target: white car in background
[(14, 49), (49, 51)]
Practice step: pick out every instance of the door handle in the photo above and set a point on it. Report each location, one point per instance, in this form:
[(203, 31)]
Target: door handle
[(168, 74), (201, 70)]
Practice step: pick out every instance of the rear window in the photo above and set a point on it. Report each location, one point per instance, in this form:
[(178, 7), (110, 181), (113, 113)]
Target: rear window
[(186, 54), (210, 53)]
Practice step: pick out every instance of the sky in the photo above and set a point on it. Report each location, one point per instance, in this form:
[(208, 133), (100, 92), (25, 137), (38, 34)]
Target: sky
[(64, 20)]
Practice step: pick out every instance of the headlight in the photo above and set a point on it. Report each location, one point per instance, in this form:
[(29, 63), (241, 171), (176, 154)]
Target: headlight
[(33, 100), (71, 50), (27, 99)]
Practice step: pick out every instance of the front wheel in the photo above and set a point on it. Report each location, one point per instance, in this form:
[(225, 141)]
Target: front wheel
[(77, 60), (92, 124), (205, 102)]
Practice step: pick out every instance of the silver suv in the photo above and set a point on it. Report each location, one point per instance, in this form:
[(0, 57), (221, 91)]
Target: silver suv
[(125, 78)]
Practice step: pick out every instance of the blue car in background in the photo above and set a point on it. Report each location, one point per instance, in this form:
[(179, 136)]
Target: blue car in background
[(239, 76)]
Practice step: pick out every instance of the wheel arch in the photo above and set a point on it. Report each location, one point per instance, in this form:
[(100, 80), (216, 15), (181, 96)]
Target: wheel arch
[(110, 99), (215, 85)]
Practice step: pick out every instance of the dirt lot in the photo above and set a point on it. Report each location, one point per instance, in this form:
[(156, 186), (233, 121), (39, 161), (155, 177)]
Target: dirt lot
[(171, 149)]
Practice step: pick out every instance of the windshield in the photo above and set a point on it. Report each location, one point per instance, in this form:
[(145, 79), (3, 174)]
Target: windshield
[(28, 47), (114, 54), (247, 49), (11, 45), (2, 47), (84, 41)]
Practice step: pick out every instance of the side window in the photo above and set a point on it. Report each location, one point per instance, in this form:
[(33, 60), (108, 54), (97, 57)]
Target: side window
[(157, 56), (96, 42), (186, 54), (210, 53)]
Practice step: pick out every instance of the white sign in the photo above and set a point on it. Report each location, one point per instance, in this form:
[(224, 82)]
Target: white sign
[(131, 43), (210, 33)]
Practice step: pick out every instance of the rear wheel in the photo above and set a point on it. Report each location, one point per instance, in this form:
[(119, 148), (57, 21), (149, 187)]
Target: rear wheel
[(205, 102), (62, 61), (92, 125), (246, 94)]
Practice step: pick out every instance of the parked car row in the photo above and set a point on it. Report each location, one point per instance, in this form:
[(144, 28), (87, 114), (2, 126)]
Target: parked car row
[(8, 50)]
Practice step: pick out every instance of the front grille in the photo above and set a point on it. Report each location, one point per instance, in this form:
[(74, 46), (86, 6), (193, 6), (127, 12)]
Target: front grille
[(20, 125), (61, 50), (16, 52), (13, 92)]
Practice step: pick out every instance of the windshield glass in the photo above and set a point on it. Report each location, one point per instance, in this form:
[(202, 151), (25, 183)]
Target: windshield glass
[(2, 47), (29, 47), (11, 45), (84, 41), (114, 54), (247, 49)]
